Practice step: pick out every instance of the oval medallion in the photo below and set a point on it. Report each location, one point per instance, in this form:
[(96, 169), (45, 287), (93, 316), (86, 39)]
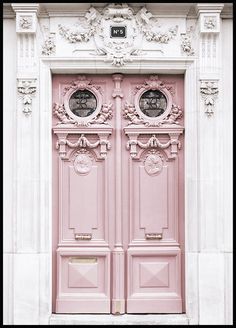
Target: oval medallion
[(83, 164), (153, 164)]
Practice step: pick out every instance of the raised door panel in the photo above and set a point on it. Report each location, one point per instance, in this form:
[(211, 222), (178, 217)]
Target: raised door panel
[(153, 198), (153, 192), (83, 199), (83, 154)]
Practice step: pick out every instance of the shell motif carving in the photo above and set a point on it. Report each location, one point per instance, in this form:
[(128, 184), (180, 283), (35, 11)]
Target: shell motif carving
[(83, 163), (153, 163)]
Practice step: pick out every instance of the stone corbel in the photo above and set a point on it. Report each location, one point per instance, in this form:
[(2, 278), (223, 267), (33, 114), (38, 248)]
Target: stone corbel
[(101, 145), (173, 144), (209, 92), (27, 89)]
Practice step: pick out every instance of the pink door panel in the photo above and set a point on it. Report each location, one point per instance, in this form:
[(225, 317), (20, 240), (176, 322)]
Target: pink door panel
[(118, 210)]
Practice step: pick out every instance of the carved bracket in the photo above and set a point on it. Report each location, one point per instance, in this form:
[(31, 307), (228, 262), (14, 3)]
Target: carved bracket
[(101, 145), (27, 88), (173, 144), (209, 92)]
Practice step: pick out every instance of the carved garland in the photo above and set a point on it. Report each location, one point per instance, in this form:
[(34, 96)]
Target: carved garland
[(154, 142), (49, 46), (186, 42), (118, 52), (83, 142)]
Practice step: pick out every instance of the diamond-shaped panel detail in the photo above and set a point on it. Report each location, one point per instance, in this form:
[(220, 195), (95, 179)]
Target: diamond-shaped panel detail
[(154, 274), (83, 275)]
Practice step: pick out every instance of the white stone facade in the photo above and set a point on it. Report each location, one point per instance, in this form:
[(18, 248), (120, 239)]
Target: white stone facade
[(194, 39)]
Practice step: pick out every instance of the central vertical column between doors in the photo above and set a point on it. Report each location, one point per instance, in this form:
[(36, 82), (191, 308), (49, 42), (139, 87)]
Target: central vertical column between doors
[(118, 297)]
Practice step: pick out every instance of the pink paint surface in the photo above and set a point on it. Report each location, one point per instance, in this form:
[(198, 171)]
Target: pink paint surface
[(118, 203)]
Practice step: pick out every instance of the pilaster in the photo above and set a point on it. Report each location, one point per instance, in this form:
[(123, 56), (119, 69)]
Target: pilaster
[(27, 129), (211, 165)]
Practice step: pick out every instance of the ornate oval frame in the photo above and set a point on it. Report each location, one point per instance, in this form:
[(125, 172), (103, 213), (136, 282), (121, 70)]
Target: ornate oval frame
[(166, 93), (95, 92)]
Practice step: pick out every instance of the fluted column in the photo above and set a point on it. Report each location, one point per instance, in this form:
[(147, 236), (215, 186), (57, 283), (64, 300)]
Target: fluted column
[(118, 301)]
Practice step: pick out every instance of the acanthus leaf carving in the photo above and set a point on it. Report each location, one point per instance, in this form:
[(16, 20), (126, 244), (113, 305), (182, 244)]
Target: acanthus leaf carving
[(81, 83), (154, 83), (209, 91), (95, 25)]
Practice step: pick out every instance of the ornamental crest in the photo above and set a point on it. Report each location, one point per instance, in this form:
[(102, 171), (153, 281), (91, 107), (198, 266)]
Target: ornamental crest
[(117, 32)]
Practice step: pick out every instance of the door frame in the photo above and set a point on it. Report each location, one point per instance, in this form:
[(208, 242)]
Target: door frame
[(186, 66)]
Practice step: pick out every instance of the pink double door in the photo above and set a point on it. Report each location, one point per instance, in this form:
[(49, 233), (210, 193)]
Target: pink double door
[(118, 193)]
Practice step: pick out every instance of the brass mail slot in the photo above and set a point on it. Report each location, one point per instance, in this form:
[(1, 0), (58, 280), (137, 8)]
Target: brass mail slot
[(83, 236), (82, 260), (153, 236)]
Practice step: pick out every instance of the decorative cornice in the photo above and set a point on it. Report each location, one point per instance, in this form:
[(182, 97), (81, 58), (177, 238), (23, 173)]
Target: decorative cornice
[(209, 92), (25, 7), (209, 8)]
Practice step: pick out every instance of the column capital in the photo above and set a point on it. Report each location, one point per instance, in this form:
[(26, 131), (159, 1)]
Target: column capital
[(209, 17), (26, 17)]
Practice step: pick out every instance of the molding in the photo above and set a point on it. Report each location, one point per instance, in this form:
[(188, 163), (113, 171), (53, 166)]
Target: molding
[(25, 7), (209, 8)]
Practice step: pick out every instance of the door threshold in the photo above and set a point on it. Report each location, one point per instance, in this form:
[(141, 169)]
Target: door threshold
[(123, 319)]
